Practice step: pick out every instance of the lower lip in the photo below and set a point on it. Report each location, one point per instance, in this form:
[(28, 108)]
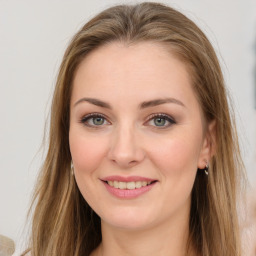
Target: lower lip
[(128, 193)]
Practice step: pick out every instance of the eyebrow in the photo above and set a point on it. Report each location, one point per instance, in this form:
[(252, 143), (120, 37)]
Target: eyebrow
[(94, 101), (145, 104), (156, 102)]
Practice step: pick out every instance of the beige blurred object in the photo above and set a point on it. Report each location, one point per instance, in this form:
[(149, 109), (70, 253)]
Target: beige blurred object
[(7, 246), (249, 227)]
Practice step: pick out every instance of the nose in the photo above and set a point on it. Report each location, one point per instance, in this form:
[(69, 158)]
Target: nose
[(125, 149)]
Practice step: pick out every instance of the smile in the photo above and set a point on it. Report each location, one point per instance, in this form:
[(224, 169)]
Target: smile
[(128, 185)]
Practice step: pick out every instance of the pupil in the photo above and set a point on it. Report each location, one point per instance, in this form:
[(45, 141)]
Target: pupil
[(98, 120), (160, 121)]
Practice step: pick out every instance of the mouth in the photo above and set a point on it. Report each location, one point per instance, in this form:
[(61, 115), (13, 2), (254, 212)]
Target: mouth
[(128, 185)]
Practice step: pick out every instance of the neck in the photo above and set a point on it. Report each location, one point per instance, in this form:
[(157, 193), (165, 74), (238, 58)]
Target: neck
[(165, 239)]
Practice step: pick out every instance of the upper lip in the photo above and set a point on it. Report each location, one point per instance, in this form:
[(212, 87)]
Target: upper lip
[(126, 179)]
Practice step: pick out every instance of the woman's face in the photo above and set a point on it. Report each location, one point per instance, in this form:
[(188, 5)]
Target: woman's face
[(137, 135)]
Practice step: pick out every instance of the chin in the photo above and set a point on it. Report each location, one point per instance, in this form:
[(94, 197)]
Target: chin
[(129, 219)]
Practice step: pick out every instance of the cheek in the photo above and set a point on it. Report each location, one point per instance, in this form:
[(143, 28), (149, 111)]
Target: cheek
[(176, 156), (87, 152), (177, 162)]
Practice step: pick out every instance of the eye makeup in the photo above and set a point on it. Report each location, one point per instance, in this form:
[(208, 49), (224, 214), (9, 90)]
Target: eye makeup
[(156, 120), (94, 120), (160, 120)]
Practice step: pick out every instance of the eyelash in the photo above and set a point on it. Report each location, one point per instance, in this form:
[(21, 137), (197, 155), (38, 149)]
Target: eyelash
[(86, 118), (166, 117)]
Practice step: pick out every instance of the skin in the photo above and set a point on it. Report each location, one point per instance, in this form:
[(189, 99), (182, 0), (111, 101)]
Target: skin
[(128, 142)]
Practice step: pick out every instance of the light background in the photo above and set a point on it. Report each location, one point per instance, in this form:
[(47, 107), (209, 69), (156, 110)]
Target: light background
[(33, 37)]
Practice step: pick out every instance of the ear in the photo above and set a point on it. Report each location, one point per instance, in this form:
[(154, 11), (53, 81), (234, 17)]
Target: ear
[(208, 148)]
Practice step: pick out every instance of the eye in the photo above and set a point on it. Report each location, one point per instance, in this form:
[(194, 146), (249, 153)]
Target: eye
[(160, 120), (94, 120)]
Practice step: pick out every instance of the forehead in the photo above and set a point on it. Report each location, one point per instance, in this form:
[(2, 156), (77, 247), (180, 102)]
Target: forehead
[(134, 54), (144, 69)]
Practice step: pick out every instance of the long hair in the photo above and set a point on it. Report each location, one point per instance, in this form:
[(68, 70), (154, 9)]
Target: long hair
[(63, 223)]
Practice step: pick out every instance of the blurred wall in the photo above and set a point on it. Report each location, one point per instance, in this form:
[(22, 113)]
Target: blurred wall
[(33, 36)]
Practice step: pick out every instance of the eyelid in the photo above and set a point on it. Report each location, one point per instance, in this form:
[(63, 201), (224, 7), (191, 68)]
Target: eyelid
[(91, 115), (169, 118)]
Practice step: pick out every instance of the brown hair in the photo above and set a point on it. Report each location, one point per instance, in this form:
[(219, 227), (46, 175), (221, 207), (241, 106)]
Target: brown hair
[(63, 223)]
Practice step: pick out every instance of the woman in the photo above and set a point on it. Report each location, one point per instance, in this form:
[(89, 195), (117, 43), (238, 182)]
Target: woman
[(143, 156)]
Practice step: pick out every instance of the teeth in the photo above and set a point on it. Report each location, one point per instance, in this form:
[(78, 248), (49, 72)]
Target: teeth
[(128, 185), (138, 184), (144, 183), (116, 184), (131, 185), (122, 185)]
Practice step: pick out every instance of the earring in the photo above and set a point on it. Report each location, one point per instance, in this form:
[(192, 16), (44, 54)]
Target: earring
[(72, 168), (206, 169)]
